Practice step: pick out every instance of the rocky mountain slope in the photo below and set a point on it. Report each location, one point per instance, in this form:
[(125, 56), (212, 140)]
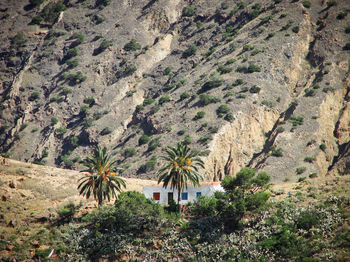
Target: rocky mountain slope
[(257, 83)]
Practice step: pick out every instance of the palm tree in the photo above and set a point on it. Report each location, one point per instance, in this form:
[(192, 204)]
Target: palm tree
[(181, 167), (100, 181)]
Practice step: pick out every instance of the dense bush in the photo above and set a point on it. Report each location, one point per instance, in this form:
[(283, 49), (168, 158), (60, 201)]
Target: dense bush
[(144, 139), (133, 45), (199, 115), (223, 109), (184, 95), (36, 2), (205, 99), (104, 45), (189, 11), (253, 68), (148, 166), (132, 217), (164, 99), (190, 51), (19, 40), (129, 152), (212, 83), (52, 11), (106, 131), (222, 69), (307, 4)]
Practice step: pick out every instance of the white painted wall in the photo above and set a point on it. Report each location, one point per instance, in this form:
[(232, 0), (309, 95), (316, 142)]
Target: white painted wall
[(205, 189)]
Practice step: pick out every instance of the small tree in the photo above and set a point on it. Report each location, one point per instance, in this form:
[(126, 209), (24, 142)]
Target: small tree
[(181, 167), (100, 181)]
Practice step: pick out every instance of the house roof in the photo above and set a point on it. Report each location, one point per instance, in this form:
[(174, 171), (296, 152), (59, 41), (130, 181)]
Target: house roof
[(200, 184)]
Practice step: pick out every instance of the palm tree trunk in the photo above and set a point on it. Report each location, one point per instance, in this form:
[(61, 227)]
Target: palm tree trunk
[(178, 198)]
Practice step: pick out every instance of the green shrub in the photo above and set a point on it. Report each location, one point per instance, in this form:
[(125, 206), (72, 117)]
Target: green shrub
[(60, 131), (205, 99), (167, 70), (296, 29), (312, 175), (67, 212), (223, 109), (52, 11), (105, 131), (199, 115), (54, 120), (300, 170), (83, 110), (72, 52), (76, 78), (253, 68), (104, 45), (36, 2), (184, 95), (309, 159), (148, 166), (307, 220), (102, 3), (144, 139), (34, 96), (190, 51), (237, 82), (74, 141), (254, 89), (242, 69), (133, 216), (277, 152), (266, 19), (213, 83), (213, 129), (164, 99), (189, 11), (66, 91), (79, 38), (248, 47), (331, 3), (307, 4), (181, 132), (129, 152), (310, 92), (19, 40), (323, 147), (37, 20), (231, 61), (127, 70), (147, 101), (296, 120), (89, 100), (133, 45), (229, 117), (72, 62), (222, 69), (347, 30), (209, 52), (153, 144), (342, 15), (205, 207), (187, 140), (301, 179)]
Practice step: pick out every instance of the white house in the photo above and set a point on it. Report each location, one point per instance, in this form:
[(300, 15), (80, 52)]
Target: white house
[(163, 195)]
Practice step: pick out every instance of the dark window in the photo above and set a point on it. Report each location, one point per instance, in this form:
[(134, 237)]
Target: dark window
[(198, 194), (184, 196), (156, 196)]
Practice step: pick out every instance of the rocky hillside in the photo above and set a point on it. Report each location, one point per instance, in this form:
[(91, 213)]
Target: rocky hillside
[(258, 83)]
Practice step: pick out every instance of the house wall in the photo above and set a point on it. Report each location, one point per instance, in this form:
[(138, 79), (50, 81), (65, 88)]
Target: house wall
[(206, 190)]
